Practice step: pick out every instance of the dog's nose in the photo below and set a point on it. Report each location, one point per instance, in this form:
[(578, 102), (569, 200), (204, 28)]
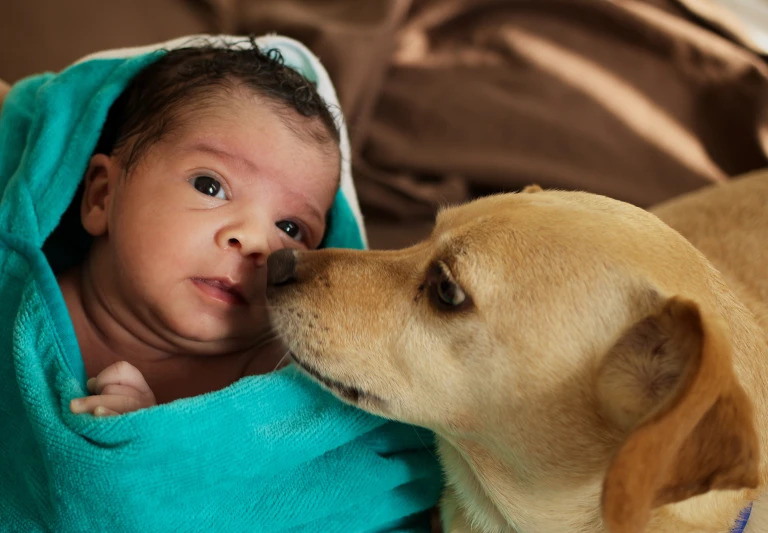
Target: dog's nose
[(281, 267)]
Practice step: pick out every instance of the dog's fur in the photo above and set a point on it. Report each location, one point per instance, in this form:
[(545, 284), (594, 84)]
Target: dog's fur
[(603, 373)]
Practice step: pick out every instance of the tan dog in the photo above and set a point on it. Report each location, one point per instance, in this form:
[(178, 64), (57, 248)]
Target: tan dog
[(584, 366)]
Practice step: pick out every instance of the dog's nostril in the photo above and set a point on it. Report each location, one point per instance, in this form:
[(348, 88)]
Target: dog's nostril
[(281, 267)]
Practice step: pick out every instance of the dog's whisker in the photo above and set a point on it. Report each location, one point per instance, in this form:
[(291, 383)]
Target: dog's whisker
[(425, 444), (277, 307), (282, 359), (264, 306), (266, 338)]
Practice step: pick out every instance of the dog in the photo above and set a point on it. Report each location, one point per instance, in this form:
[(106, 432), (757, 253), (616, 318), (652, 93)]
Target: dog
[(586, 365)]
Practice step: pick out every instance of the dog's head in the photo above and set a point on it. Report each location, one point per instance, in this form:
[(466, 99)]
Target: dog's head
[(566, 333)]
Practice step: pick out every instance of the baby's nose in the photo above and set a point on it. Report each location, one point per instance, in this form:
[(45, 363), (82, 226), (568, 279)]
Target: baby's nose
[(281, 267), (257, 251)]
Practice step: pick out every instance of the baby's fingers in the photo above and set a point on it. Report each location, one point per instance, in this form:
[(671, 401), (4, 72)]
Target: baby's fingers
[(115, 403), (120, 373), (144, 399)]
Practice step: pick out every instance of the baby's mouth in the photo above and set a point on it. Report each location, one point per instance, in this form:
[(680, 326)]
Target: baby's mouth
[(221, 290)]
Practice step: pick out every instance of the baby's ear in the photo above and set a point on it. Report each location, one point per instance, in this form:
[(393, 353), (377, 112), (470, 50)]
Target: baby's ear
[(98, 184), (669, 383)]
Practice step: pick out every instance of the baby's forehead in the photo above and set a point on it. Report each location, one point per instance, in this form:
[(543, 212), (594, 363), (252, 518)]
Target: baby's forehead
[(313, 133), (316, 129), (309, 131)]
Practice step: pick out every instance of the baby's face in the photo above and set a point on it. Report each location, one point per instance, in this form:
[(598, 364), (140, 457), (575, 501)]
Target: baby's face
[(189, 231)]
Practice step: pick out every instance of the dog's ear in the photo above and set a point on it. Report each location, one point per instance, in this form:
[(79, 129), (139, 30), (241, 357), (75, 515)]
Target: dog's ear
[(669, 383), (531, 188)]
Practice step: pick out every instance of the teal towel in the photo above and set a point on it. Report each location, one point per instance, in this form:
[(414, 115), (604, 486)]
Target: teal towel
[(268, 453)]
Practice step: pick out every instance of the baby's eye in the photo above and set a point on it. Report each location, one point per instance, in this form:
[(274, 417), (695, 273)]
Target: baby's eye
[(291, 229), (209, 186)]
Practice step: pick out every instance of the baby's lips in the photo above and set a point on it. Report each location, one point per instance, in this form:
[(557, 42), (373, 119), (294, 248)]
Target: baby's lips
[(226, 286)]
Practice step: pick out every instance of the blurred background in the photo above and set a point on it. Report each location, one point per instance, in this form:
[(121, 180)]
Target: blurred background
[(446, 100)]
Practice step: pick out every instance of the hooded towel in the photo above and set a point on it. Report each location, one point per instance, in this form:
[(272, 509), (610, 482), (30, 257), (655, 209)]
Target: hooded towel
[(269, 453)]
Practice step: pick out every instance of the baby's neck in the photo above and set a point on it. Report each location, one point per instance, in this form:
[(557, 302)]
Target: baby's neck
[(170, 372)]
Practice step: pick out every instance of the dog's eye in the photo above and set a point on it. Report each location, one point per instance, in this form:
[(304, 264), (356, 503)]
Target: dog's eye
[(446, 293), (449, 293)]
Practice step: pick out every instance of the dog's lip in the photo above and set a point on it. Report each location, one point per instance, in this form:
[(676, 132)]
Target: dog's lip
[(348, 392)]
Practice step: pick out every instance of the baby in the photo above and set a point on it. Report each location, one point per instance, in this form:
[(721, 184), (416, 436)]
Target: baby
[(208, 162)]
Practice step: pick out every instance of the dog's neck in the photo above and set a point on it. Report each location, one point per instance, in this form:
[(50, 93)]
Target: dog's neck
[(713, 512), (758, 518), (493, 501)]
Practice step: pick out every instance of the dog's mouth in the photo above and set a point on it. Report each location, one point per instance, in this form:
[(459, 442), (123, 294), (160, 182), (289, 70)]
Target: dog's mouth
[(347, 392)]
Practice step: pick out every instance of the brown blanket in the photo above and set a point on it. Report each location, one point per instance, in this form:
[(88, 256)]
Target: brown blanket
[(447, 99)]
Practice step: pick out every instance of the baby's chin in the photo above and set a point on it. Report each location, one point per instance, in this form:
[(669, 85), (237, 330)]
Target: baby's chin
[(207, 335)]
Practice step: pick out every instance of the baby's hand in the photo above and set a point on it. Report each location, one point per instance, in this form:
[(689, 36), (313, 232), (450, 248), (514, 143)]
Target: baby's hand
[(120, 388)]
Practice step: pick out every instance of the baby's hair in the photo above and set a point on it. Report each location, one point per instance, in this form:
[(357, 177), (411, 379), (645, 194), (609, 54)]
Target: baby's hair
[(154, 102)]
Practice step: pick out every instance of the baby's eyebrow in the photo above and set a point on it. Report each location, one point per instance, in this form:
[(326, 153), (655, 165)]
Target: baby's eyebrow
[(313, 211), (223, 154)]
